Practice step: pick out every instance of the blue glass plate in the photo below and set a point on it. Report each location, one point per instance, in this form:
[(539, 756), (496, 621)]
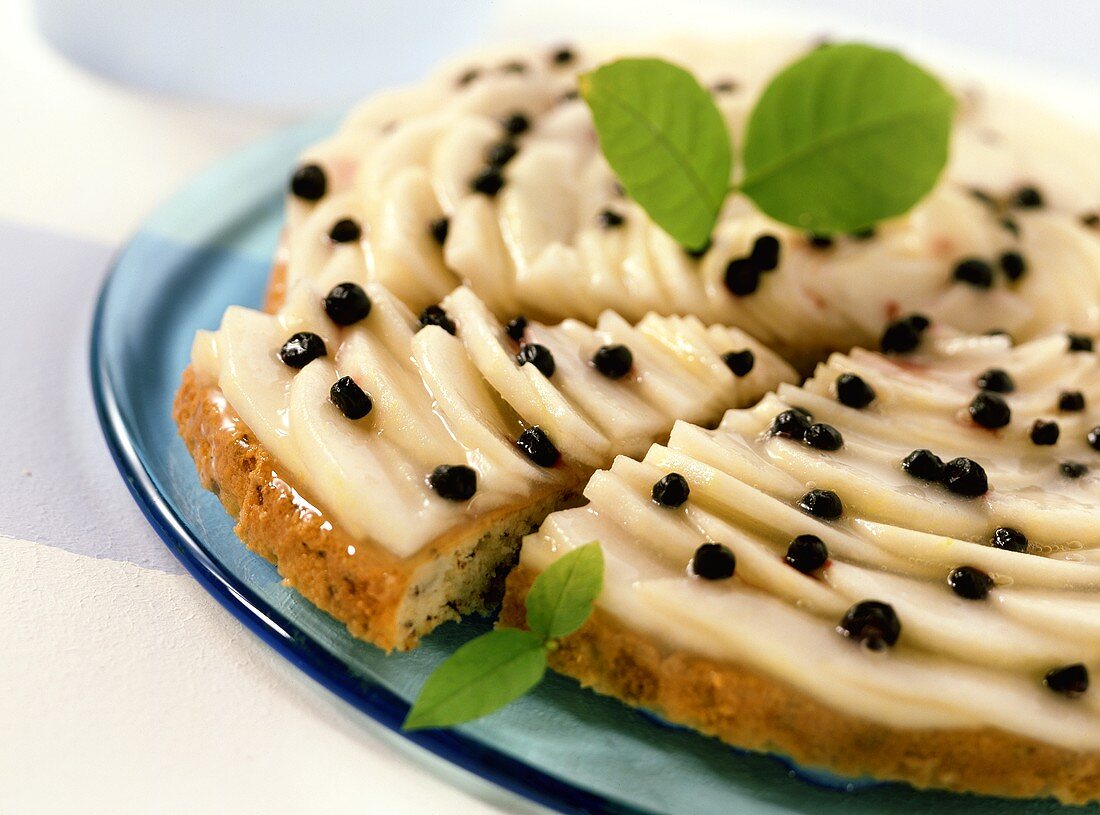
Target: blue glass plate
[(210, 246)]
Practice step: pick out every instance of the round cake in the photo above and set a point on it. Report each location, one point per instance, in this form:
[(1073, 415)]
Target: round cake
[(474, 340)]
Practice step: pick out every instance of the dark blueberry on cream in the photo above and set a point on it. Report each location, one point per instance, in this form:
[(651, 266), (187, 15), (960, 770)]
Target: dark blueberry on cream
[(765, 253), (1079, 342), (671, 491), (823, 504), (1009, 539), (724, 86), (966, 477), (613, 361), (1091, 220), (923, 464), (713, 561), (974, 272), (791, 424), (1009, 225), (345, 231), (352, 400), (740, 362), (536, 445), (1071, 402), (439, 229), (823, 436), (996, 380), (515, 124), (455, 482), (309, 183), (1044, 433), (500, 153), (1013, 265), (346, 304), (990, 411), (872, 623), (516, 326), (1073, 469), (488, 182), (563, 55), (853, 391), (1072, 680), (983, 196), (742, 277), (970, 583), (1093, 438), (807, 553), (864, 234), (468, 77), (1027, 198), (539, 356), (435, 315), (819, 241), (903, 335), (609, 219), (301, 349)]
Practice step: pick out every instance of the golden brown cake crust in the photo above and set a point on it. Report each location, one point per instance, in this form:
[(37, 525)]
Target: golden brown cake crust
[(748, 709)]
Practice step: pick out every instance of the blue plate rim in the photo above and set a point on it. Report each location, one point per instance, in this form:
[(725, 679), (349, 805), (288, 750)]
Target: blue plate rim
[(287, 639)]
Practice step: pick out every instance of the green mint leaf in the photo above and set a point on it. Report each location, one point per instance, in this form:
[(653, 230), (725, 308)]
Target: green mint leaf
[(844, 137), (561, 598), (483, 675), (665, 139)]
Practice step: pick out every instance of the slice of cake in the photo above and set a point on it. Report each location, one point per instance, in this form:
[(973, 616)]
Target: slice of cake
[(389, 464), (892, 570)]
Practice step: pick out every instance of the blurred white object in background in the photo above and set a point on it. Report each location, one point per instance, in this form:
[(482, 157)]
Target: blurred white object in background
[(300, 56)]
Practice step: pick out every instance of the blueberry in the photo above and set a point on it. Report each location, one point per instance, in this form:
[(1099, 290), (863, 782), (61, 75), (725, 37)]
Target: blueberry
[(435, 315), (853, 391), (1073, 469), (823, 504), (515, 124), (1013, 265), (609, 219), (1072, 680), (823, 436), (539, 356), (1009, 539), (807, 553), (713, 561), (536, 445), (765, 253), (903, 335), (740, 362), (488, 182), (970, 583), (990, 411), (1071, 402), (1027, 198), (791, 424), (352, 400), (996, 380), (966, 477), (872, 623), (1093, 438), (1044, 433), (455, 482), (301, 349), (347, 303), (742, 277), (516, 326), (975, 272), (309, 182), (923, 464), (345, 231), (500, 153), (1079, 342), (613, 361), (671, 491)]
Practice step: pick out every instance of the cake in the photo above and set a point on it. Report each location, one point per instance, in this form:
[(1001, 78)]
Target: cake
[(472, 337)]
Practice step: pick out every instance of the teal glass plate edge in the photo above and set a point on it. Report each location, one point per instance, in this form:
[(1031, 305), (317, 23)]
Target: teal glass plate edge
[(567, 748)]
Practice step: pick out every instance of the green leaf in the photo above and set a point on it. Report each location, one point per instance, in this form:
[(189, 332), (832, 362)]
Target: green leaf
[(844, 137), (666, 141), (483, 675), (561, 598)]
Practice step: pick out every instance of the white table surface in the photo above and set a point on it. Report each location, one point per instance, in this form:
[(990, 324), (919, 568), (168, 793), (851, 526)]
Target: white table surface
[(124, 687)]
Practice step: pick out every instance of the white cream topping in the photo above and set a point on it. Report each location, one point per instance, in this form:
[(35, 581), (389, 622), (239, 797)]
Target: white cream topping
[(443, 399), (406, 158), (958, 662)]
